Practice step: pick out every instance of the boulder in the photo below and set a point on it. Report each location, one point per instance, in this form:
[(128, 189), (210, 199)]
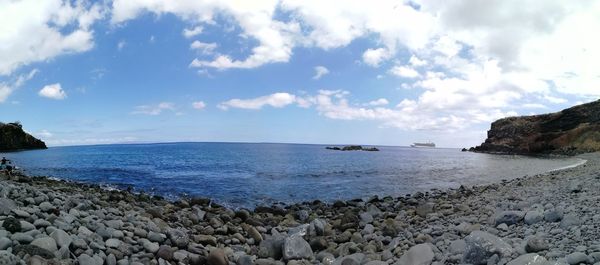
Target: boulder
[(424, 209), (295, 247), (217, 257), (509, 217), (577, 258), (85, 259), (61, 237), (417, 255), (569, 220), (533, 217), (178, 237), (482, 245), (271, 248), (553, 215), (528, 259), (46, 243), (536, 244)]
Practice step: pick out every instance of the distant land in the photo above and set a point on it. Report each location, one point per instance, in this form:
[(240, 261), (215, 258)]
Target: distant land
[(571, 131), (13, 138), (352, 148)]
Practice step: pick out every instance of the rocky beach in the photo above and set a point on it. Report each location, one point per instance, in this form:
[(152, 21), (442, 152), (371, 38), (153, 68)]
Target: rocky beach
[(552, 218)]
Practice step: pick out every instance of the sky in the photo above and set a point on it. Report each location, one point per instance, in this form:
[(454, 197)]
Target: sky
[(382, 72)]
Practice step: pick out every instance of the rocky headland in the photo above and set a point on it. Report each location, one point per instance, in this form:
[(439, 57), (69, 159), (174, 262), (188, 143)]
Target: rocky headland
[(13, 138), (571, 131), (545, 219)]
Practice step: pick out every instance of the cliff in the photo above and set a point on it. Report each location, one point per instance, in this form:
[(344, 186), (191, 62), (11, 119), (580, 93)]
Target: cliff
[(571, 131), (12, 137)]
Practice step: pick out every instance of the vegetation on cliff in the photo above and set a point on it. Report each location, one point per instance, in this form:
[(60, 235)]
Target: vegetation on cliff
[(571, 131), (12, 137)]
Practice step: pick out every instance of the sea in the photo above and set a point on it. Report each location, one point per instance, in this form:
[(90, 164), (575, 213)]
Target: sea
[(250, 174)]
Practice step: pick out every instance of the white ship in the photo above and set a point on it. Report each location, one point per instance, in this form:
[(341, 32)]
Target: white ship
[(428, 144)]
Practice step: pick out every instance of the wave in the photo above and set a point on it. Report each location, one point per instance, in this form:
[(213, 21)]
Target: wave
[(577, 164)]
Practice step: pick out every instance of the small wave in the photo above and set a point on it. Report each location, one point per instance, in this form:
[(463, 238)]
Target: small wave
[(579, 163)]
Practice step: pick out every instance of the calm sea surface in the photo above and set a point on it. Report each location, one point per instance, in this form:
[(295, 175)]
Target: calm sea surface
[(246, 175)]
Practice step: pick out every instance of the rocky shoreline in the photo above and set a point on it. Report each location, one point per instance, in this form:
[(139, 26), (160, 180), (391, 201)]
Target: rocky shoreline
[(551, 218)]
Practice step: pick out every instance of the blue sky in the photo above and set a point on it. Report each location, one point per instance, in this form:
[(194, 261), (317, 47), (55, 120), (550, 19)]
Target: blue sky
[(383, 73)]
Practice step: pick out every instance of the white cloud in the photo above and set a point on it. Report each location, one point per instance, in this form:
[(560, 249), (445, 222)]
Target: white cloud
[(198, 105), (276, 100), (327, 25), (549, 43), (154, 109), (534, 106), (53, 91), (404, 71), (320, 71), (190, 33), (379, 102), (420, 114), (6, 89), (416, 62), (374, 57), (467, 66), (34, 31), (205, 48), (121, 44), (44, 134)]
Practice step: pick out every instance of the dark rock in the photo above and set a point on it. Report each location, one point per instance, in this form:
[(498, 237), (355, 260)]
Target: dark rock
[(318, 244), (12, 225), (271, 248), (165, 252), (349, 220), (32, 251), (243, 214), (217, 257), (272, 210)]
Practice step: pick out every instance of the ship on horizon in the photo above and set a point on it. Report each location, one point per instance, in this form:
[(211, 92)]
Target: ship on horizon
[(421, 145)]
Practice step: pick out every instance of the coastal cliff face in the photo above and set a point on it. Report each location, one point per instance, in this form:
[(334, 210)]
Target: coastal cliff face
[(12, 137), (571, 131)]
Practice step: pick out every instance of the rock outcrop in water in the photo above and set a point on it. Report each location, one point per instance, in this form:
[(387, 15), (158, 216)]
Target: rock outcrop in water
[(12, 137), (352, 148), (571, 131)]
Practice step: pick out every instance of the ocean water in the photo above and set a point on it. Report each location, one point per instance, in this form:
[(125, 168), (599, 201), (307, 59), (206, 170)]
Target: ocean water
[(246, 175)]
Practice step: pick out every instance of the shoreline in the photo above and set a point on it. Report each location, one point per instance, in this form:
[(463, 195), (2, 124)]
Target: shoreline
[(436, 226)]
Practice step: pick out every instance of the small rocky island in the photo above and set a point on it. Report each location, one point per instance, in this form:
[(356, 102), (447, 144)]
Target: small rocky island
[(571, 131), (352, 148), (13, 138)]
